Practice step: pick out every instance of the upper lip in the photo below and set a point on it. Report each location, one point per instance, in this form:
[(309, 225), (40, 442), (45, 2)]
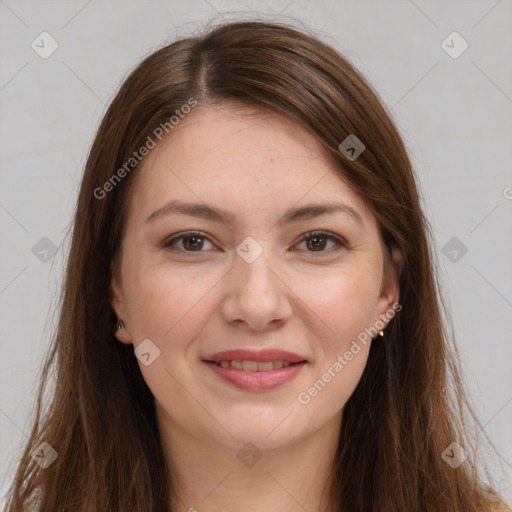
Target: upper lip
[(269, 354)]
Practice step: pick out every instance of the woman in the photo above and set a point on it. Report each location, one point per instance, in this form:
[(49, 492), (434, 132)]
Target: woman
[(250, 315)]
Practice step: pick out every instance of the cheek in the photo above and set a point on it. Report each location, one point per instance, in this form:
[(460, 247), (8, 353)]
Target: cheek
[(168, 307), (344, 301), (165, 303)]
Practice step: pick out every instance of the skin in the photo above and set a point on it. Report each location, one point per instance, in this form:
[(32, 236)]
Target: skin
[(307, 300)]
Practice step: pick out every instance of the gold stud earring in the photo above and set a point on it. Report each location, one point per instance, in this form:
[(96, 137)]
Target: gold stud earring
[(381, 333)]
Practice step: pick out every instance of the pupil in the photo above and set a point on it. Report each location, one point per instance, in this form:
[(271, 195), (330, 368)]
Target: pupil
[(193, 237), (317, 238)]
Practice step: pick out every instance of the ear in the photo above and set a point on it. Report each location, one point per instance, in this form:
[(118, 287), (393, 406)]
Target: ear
[(390, 289), (118, 303)]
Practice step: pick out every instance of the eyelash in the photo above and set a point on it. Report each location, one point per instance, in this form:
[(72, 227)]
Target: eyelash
[(310, 234)]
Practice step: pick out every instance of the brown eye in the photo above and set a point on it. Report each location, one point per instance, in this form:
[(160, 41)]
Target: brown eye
[(191, 242), (316, 241), (194, 242)]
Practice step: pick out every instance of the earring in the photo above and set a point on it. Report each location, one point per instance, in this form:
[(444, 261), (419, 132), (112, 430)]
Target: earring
[(120, 325), (381, 333)]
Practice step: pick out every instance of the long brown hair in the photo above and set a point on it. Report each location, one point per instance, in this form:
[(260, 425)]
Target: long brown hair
[(410, 403)]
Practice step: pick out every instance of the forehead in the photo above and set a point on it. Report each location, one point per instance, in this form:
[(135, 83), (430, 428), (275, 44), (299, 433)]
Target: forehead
[(238, 159), (239, 132)]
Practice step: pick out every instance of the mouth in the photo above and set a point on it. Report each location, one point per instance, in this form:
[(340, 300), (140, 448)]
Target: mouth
[(249, 358), (255, 366), (255, 370)]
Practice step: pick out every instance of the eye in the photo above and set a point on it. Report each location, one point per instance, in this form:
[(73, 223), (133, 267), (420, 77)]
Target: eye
[(193, 241), (318, 239)]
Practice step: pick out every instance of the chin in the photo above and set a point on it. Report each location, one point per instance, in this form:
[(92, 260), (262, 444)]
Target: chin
[(264, 435)]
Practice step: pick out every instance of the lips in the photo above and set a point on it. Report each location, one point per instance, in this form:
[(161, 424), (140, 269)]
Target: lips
[(256, 370), (254, 366)]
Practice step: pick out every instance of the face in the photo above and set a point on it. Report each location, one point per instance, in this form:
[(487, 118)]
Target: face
[(257, 280)]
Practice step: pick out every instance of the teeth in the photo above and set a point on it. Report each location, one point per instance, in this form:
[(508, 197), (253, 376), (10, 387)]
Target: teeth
[(250, 366), (265, 367), (237, 365), (255, 366)]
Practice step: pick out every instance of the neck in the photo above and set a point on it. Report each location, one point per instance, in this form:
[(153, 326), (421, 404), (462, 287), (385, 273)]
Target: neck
[(209, 476)]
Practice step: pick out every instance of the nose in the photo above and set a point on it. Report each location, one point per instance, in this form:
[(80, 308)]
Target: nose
[(257, 295)]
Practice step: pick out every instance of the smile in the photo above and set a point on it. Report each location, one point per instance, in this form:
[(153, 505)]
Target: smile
[(255, 376), (254, 366)]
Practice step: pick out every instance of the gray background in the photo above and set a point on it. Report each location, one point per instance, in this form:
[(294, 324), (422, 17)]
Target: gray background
[(454, 114)]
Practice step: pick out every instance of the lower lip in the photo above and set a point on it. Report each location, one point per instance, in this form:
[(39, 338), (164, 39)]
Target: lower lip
[(257, 381)]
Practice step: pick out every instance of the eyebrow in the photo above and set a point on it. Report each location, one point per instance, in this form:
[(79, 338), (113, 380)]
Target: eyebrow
[(292, 215)]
